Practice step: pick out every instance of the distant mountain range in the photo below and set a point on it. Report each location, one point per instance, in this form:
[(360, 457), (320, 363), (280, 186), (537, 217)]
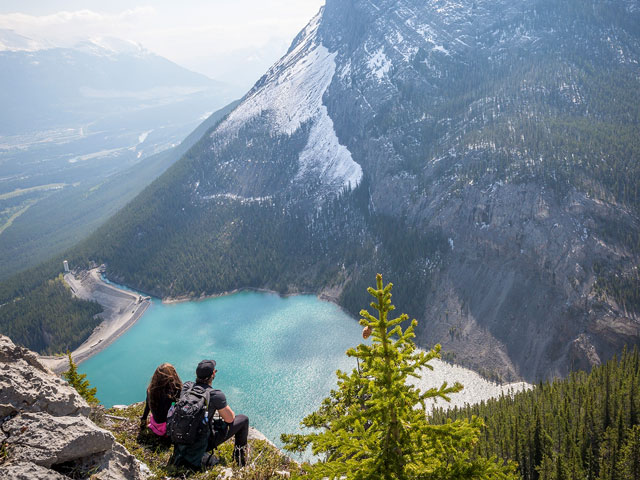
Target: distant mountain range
[(73, 120), (13, 41), (483, 156), (51, 88)]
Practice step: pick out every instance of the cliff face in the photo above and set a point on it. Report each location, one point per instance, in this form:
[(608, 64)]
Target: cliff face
[(45, 431), (482, 155), (480, 120)]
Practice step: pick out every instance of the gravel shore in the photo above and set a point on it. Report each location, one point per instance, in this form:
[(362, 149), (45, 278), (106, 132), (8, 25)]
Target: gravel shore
[(122, 308)]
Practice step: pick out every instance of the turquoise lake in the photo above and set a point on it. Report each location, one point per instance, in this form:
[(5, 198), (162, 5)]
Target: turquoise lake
[(276, 356)]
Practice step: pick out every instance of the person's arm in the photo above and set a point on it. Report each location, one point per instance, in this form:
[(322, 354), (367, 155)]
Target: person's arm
[(227, 414), (143, 419), (219, 403)]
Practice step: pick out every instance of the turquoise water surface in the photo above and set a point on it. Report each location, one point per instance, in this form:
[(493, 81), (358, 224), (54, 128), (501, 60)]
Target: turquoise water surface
[(276, 357)]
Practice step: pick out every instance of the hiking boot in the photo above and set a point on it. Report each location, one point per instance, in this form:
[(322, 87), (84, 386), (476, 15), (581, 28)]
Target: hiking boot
[(209, 460), (241, 455)]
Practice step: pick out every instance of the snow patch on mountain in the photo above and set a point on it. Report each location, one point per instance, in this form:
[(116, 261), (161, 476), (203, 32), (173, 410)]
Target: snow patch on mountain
[(292, 99), (238, 198), (346, 70), (12, 41), (111, 46), (632, 6), (290, 96), (324, 157), (99, 46), (441, 49), (143, 136), (379, 64), (451, 10)]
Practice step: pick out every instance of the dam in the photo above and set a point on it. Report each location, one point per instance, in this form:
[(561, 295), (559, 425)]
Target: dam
[(121, 309)]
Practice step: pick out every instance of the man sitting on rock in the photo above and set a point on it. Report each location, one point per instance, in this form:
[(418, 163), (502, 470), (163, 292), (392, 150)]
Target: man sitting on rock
[(192, 452)]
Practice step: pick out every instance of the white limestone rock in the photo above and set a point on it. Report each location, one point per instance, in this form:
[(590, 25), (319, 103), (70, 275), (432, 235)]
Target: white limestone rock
[(46, 440), (28, 386), (45, 430), (29, 471), (115, 464)]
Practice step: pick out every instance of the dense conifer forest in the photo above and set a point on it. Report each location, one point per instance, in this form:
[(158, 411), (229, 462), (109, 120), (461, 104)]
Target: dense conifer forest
[(586, 426), (44, 316)]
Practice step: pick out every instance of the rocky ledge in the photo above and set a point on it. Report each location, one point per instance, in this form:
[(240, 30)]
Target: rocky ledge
[(45, 429)]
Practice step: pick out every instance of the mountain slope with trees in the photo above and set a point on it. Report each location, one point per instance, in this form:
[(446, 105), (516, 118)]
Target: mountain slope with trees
[(585, 426), (59, 219), (35, 307)]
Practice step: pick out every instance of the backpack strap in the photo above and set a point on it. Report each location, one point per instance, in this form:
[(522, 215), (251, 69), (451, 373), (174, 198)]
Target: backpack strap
[(207, 395), (189, 388)]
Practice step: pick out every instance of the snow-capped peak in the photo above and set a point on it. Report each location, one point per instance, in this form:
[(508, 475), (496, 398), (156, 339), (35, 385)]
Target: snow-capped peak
[(290, 96), (110, 46), (100, 46), (12, 41)]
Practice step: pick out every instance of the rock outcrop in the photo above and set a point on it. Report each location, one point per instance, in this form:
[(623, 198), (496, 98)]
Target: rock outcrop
[(45, 431)]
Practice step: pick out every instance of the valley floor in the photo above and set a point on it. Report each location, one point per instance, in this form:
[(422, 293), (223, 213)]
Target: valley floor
[(122, 309)]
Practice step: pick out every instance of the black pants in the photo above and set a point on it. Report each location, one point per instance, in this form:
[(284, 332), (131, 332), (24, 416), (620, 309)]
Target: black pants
[(238, 429)]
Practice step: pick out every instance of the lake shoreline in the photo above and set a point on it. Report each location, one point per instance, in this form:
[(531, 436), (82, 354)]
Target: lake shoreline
[(93, 287), (112, 328), (186, 298), (121, 310)]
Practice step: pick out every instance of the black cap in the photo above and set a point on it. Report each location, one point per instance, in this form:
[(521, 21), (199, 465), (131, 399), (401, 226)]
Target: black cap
[(205, 368)]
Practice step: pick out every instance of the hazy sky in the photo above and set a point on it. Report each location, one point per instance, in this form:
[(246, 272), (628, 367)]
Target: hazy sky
[(220, 38)]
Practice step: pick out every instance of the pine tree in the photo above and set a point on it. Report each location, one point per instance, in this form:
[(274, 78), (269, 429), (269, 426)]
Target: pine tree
[(374, 425), (79, 382), (629, 465)]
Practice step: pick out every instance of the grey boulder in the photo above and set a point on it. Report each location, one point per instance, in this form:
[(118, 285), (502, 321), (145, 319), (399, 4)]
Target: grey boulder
[(45, 431)]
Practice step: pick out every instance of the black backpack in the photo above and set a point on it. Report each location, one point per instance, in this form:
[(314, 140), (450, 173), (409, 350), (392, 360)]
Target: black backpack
[(189, 421)]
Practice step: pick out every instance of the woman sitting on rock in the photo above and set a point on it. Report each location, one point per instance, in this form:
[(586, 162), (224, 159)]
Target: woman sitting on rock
[(163, 390)]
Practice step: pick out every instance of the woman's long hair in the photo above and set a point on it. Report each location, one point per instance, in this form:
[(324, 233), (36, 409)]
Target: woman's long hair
[(165, 382)]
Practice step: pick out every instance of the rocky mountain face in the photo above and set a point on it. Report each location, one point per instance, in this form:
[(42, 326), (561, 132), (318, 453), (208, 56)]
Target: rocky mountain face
[(45, 432), (482, 155)]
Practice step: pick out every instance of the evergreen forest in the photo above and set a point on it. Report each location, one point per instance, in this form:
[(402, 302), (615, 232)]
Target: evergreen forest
[(586, 426), (44, 316)]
